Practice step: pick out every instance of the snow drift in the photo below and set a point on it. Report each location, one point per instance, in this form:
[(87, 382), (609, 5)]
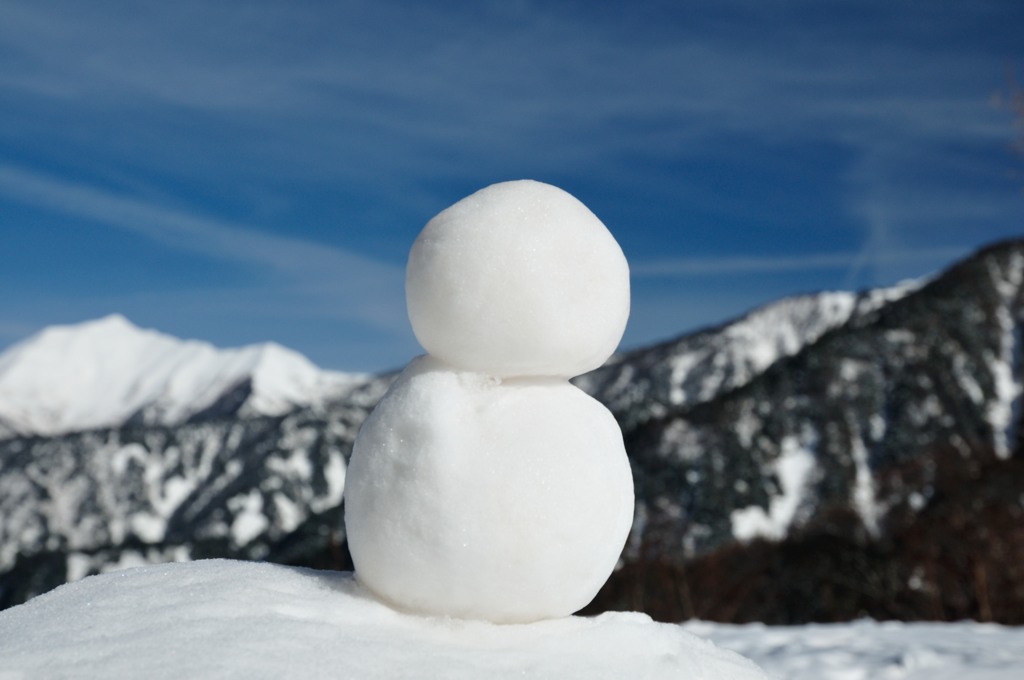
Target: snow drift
[(226, 619)]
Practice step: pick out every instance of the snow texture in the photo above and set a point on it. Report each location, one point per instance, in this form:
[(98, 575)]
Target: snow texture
[(103, 373), (1005, 367), (519, 278), (224, 619), (481, 497), (793, 467), (868, 650)]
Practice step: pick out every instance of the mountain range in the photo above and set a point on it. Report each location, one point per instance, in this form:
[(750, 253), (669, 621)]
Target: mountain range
[(107, 373), (827, 456)]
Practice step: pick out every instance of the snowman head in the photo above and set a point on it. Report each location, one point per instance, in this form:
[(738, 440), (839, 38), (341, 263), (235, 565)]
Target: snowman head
[(517, 279)]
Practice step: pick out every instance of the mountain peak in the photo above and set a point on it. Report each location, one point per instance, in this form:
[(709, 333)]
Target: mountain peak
[(102, 372), (114, 320)]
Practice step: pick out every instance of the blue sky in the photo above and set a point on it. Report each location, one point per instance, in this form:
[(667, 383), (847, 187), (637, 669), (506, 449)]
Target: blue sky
[(250, 171)]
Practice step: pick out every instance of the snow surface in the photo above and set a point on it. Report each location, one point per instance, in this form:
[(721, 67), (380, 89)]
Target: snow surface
[(101, 373), (226, 619), (519, 278), (869, 650)]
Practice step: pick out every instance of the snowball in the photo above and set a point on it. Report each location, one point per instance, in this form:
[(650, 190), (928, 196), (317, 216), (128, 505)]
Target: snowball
[(478, 497), (519, 278), (224, 619)]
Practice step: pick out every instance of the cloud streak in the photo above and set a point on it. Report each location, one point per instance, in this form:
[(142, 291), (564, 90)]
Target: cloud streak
[(491, 76), (359, 286), (730, 266)]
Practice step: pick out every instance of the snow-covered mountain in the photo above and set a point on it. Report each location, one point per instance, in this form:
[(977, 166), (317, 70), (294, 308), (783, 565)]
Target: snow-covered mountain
[(697, 367), (877, 470), (829, 455), (108, 372)]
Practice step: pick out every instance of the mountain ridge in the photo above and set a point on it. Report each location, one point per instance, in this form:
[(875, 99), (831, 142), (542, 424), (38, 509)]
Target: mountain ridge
[(108, 372), (837, 450)]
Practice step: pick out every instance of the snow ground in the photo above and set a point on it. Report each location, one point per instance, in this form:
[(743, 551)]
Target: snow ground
[(226, 619), (871, 650)]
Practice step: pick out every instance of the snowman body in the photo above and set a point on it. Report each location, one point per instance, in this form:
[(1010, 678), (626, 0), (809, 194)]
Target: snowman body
[(485, 485)]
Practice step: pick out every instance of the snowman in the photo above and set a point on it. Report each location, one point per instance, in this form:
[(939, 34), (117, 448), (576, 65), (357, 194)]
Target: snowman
[(485, 485)]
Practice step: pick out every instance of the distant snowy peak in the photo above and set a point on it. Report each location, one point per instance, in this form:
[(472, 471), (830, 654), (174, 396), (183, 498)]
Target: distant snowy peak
[(781, 329), (106, 372), (700, 366)]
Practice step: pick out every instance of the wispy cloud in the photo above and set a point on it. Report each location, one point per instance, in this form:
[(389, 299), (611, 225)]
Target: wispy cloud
[(490, 82), (358, 286), (727, 266)]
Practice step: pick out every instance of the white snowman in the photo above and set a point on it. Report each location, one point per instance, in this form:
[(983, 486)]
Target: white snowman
[(485, 485)]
